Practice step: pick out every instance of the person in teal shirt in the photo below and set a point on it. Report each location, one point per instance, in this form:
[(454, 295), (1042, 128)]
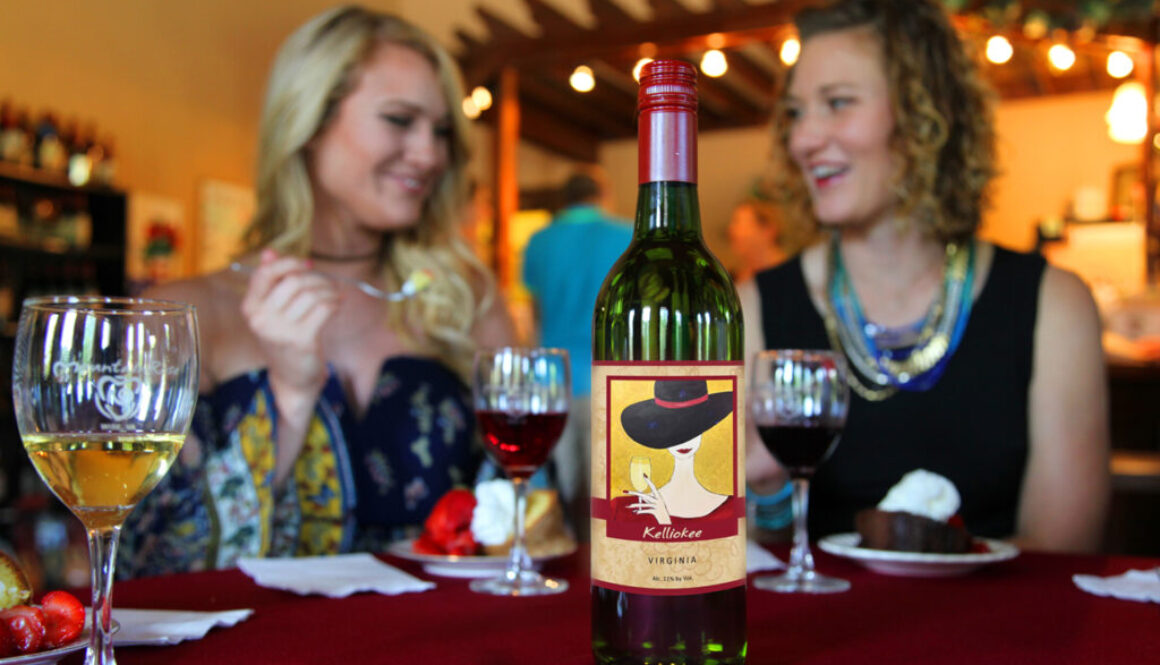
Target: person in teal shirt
[(564, 268)]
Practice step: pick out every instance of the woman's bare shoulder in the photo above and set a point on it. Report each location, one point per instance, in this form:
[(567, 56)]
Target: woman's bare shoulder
[(217, 296)]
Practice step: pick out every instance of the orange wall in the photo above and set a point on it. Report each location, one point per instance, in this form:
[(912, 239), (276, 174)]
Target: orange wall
[(177, 84), (1048, 148)]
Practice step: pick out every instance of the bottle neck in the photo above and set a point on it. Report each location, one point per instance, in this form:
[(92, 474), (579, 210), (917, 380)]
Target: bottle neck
[(667, 210), (667, 146), (667, 203)]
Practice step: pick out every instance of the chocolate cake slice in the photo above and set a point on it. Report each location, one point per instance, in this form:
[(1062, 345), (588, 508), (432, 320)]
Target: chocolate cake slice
[(906, 532)]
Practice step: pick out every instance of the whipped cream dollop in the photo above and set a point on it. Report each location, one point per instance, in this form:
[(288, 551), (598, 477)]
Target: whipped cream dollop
[(493, 520), (924, 493)]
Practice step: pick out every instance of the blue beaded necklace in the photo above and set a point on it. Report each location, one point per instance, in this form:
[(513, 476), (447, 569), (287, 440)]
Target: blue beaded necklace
[(910, 357)]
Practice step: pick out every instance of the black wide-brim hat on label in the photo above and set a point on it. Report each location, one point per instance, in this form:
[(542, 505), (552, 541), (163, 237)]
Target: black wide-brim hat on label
[(682, 410)]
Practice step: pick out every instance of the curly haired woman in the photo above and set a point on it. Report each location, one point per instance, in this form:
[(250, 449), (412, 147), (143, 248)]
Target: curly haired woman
[(967, 359)]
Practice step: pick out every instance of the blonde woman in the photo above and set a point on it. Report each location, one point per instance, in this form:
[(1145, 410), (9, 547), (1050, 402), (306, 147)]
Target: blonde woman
[(330, 420)]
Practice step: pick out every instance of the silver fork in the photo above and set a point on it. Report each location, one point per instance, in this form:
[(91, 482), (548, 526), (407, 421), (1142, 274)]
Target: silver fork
[(417, 281)]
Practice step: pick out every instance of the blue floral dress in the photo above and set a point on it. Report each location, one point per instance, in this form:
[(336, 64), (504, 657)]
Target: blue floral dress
[(356, 486)]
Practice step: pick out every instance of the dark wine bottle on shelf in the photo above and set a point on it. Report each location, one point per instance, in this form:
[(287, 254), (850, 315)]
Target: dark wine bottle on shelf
[(668, 501)]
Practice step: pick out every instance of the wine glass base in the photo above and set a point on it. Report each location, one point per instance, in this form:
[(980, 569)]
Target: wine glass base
[(807, 583), (527, 583)]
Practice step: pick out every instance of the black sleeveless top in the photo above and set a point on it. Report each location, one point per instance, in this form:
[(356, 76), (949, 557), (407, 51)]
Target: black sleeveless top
[(971, 426)]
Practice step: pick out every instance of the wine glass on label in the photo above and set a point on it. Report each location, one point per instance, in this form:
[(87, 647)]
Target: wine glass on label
[(521, 398), (639, 471), (798, 401), (104, 390)]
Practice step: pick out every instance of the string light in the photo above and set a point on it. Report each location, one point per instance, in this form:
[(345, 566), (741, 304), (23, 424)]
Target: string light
[(999, 49), (790, 50), (714, 64), (482, 97), (639, 66), (582, 79), (470, 109), (1120, 64), (1128, 117), (1061, 57)]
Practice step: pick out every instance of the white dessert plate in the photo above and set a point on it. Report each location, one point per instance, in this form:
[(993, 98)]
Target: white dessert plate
[(451, 565), (916, 564), (49, 656)]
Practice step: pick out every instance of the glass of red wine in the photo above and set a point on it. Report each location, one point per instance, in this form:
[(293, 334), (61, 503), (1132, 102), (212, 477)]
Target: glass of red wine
[(520, 397), (798, 401)]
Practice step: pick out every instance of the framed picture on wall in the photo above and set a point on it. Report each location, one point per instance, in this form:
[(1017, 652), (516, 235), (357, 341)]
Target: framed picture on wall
[(224, 212), (1127, 195), (156, 245)]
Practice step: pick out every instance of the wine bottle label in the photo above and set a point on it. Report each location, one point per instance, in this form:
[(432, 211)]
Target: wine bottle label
[(668, 501)]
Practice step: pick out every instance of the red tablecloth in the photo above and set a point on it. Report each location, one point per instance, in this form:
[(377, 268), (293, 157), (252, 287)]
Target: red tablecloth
[(1026, 611)]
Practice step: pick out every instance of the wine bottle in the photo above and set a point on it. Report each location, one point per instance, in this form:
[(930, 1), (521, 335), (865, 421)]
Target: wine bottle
[(668, 498)]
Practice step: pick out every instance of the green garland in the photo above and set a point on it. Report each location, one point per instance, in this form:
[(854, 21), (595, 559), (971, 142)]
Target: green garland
[(1095, 14)]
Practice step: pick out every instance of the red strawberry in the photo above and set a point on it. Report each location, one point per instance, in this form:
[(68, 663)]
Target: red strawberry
[(462, 544), (64, 618), (424, 545), (450, 517), (7, 642), (26, 625)]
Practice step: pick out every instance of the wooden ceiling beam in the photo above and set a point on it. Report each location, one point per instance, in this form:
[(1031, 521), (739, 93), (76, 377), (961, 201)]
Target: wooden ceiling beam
[(550, 19), (549, 131), (667, 9), (753, 76), (723, 101), (499, 29), (618, 32), (572, 106), (609, 13)]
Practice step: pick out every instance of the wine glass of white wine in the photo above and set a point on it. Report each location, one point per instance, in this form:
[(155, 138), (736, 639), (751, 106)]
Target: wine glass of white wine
[(104, 390)]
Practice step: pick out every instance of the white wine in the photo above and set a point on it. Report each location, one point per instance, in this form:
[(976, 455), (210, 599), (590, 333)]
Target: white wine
[(668, 565), (101, 477)]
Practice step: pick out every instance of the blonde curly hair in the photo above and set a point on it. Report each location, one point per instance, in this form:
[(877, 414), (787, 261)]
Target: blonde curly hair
[(943, 117), (314, 70)]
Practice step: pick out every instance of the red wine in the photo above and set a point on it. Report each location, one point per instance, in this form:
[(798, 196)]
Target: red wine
[(800, 449), (667, 311), (520, 443)]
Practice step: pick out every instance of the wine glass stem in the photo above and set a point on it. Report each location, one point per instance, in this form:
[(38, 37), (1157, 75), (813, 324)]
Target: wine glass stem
[(102, 559), (519, 547), (801, 561)]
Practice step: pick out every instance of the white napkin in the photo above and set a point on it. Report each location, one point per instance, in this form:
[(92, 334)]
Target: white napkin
[(334, 576), (1141, 585), (169, 626), (758, 558)]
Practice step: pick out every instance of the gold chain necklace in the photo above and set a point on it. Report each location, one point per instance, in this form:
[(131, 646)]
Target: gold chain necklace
[(938, 337)]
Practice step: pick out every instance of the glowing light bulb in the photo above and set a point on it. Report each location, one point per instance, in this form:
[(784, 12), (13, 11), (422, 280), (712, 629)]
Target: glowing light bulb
[(470, 109), (1128, 117), (790, 50), (999, 49), (1061, 57), (639, 66), (482, 97), (1120, 64), (582, 79), (713, 63)]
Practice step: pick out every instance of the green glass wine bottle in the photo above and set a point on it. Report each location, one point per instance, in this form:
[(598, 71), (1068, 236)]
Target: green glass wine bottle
[(668, 543)]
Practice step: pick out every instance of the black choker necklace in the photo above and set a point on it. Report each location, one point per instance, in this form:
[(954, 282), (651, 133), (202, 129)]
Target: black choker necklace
[(343, 258)]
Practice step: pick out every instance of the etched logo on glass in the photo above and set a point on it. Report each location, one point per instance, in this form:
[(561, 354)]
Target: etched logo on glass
[(118, 396)]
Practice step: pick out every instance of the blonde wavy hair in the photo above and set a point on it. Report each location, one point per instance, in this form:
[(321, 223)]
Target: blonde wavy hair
[(314, 70), (943, 116)]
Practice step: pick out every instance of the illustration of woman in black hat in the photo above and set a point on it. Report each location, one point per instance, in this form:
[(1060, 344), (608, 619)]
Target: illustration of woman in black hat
[(682, 411)]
